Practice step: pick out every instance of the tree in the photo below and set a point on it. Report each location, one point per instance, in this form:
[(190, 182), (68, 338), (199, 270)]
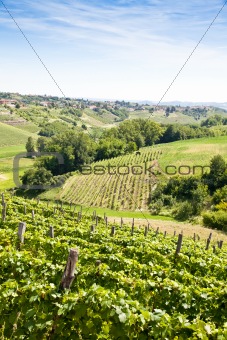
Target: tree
[(30, 145)]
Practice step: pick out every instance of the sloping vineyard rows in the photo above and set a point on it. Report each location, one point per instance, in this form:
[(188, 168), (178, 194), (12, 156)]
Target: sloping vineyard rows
[(114, 191), (126, 286)]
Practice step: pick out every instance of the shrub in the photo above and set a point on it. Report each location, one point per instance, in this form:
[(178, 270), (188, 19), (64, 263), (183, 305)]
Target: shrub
[(184, 212), (216, 220)]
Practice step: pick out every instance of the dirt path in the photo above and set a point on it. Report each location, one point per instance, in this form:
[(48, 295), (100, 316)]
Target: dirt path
[(170, 227)]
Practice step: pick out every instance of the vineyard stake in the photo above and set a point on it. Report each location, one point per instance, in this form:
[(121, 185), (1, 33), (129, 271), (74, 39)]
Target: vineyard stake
[(92, 228), (112, 231), (21, 231), (132, 231), (51, 231), (208, 243), (157, 230), (179, 244), (68, 275), (145, 231), (4, 211)]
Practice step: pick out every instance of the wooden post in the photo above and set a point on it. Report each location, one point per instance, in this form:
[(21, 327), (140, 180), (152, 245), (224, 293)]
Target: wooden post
[(112, 231), (214, 249), (21, 231), (220, 244), (104, 216), (148, 226), (194, 237), (132, 230), (133, 222), (208, 243), (4, 211), (92, 228), (68, 275), (157, 230), (106, 221), (145, 231), (210, 236), (165, 234), (3, 199), (174, 234), (198, 237), (25, 210), (179, 243), (51, 231), (96, 220), (121, 222)]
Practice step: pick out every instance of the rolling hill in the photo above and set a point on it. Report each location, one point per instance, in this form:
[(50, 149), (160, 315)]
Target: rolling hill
[(11, 135), (128, 190)]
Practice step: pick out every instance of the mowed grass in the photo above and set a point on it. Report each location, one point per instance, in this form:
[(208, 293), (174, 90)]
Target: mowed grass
[(10, 135), (191, 153)]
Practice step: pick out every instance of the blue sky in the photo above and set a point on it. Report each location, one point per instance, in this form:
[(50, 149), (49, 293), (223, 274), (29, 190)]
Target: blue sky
[(121, 49)]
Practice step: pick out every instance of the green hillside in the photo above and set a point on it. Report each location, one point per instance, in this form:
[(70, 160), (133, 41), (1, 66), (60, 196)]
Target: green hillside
[(130, 191), (10, 135)]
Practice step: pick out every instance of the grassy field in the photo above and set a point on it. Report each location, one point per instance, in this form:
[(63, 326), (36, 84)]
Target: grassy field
[(7, 154), (10, 135), (194, 152), (130, 192)]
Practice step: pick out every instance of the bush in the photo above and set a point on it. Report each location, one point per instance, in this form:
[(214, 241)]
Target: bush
[(216, 220), (184, 212)]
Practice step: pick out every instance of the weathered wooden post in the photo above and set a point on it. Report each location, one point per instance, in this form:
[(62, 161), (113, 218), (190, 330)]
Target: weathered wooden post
[(133, 222), (157, 230), (210, 236), (4, 211), (112, 231), (179, 244), (121, 222), (165, 234), (25, 210), (3, 199), (214, 249), (220, 244), (96, 220), (145, 231), (92, 228), (194, 237), (106, 221), (132, 230), (68, 275), (174, 234), (21, 231), (207, 244), (51, 231)]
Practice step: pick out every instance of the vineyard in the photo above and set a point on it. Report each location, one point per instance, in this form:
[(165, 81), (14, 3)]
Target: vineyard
[(66, 273), (126, 187)]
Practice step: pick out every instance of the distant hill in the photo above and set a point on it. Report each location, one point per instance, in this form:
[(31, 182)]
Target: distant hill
[(10, 135)]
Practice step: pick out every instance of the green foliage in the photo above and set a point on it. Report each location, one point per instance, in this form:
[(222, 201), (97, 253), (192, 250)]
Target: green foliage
[(37, 176), (214, 121), (30, 145), (216, 220), (51, 129), (217, 177), (140, 290), (140, 131), (220, 195)]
